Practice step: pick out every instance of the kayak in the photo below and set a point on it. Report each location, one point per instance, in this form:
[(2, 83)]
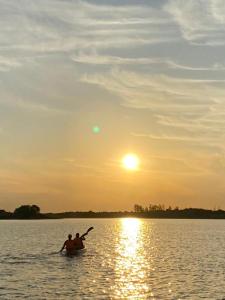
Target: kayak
[(75, 252)]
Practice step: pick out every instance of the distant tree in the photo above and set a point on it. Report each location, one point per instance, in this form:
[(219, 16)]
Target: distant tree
[(36, 208), (162, 207), (146, 209), (5, 214), (138, 208), (156, 207), (27, 212)]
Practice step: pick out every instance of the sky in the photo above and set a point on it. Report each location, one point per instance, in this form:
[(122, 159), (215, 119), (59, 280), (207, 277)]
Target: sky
[(149, 74)]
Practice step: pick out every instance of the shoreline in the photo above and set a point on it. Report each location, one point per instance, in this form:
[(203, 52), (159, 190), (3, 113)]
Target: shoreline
[(33, 212), (213, 216)]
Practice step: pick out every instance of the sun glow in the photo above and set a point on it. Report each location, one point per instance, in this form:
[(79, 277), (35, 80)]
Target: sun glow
[(130, 162)]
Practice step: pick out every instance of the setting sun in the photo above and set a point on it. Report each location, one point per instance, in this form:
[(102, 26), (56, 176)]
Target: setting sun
[(130, 162)]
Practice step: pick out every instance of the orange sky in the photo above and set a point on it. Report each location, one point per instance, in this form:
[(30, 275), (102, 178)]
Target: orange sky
[(149, 74)]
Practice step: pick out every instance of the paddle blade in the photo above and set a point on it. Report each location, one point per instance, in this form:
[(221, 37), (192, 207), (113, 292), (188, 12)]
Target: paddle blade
[(89, 229)]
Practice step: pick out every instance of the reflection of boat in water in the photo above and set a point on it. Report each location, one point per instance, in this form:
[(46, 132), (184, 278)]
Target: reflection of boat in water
[(75, 252)]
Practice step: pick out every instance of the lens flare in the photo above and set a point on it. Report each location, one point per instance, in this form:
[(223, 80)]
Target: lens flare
[(96, 129)]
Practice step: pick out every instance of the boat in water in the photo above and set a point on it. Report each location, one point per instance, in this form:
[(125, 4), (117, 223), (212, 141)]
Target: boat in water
[(74, 247), (75, 252)]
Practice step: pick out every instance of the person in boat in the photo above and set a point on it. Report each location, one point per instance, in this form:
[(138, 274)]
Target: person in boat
[(69, 245), (78, 240)]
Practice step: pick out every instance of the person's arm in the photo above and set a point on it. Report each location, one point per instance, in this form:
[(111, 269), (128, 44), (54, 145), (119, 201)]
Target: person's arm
[(83, 236), (63, 247)]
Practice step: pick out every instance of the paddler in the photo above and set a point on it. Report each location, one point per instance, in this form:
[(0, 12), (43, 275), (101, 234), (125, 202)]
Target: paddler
[(69, 245), (78, 240)]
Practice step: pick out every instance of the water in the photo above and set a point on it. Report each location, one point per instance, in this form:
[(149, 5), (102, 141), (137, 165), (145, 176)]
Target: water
[(125, 259)]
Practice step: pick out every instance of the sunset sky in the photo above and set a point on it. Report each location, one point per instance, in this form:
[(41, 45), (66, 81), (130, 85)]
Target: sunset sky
[(83, 83)]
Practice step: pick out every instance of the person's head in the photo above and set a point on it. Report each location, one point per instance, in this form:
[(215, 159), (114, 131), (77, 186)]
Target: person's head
[(69, 236), (77, 235)]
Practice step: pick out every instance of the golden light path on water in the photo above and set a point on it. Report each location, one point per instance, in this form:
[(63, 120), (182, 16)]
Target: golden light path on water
[(129, 268)]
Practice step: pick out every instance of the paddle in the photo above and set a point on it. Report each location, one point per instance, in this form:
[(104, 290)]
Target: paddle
[(89, 229)]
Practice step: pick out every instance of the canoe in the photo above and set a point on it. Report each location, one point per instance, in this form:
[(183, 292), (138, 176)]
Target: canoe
[(76, 252)]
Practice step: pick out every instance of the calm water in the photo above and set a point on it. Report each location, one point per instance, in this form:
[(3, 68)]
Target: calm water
[(125, 259)]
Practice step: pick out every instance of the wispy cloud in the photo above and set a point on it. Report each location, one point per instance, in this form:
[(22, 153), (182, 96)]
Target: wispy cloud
[(200, 21), (30, 105), (184, 109), (214, 67), (58, 26), (94, 58), (97, 59), (7, 63), (177, 138), (160, 91)]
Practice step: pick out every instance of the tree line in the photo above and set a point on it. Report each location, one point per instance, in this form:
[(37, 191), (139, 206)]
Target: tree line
[(151, 211), (160, 211)]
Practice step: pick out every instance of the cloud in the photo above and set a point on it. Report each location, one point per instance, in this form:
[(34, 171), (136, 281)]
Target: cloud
[(183, 109), (162, 92), (215, 67), (212, 73), (58, 26), (96, 59), (7, 63), (30, 105), (176, 138), (200, 21)]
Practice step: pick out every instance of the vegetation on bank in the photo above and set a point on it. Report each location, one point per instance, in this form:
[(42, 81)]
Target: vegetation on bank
[(152, 211), (22, 212)]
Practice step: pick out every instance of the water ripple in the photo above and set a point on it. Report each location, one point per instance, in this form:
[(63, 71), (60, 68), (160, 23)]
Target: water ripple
[(125, 259)]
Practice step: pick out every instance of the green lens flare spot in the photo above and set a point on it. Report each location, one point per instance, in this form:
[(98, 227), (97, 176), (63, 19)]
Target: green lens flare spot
[(96, 129)]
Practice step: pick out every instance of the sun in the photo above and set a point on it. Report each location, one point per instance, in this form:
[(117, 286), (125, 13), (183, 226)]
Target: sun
[(130, 162)]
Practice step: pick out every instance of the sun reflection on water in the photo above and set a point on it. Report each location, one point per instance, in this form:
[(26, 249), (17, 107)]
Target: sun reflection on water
[(130, 274)]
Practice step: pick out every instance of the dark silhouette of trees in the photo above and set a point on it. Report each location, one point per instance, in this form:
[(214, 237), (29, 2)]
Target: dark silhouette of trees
[(156, 207), (152, 211), (152, 207), (159, 211), (138, 208), (27, 212), (5, 214)]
